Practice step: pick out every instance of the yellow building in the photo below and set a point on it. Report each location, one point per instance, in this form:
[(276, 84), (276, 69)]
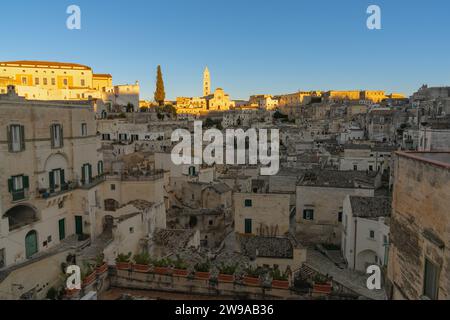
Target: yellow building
[(217, 101)]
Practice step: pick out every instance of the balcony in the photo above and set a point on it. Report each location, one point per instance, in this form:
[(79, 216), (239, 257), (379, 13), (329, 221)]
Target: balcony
[(58, 191), (18, 196), (20, 216), (92, 183)]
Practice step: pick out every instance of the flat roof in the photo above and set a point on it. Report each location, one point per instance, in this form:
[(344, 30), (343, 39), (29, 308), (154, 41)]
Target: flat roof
[(44, 64), (440, 159)]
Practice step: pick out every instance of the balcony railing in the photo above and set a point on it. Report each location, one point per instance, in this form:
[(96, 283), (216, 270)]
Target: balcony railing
[(93, 182), (137, 176), (21, 195)]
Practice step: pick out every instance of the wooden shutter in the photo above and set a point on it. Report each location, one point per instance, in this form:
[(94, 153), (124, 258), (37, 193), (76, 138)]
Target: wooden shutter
[(10, 185), (63, 178), (61, 135), (90, 172), (83, 175), (51, 179), (26, 182), (9, 137), (52, 135), (22, 138)]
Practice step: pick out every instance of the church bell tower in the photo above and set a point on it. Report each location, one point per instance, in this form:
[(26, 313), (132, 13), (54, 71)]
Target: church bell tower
[(206, 83)]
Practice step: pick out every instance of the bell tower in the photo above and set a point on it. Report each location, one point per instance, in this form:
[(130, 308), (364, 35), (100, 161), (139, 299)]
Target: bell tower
[(206, 83)]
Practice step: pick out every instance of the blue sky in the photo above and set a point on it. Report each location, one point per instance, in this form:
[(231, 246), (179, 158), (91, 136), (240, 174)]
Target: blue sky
[(250, 46)]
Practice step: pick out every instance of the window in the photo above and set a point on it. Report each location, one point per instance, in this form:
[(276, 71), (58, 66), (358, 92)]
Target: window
[(248, 226), (113, 187), (56, 133), (372, 234), (431, 280), (53, 82), (36, 81), (355, 167), (83, 82), (17, 186), (122, 136), (100, 168), (134, 137), (248, 203), (56, 180), (340, 216), (83, 129), (65, 82), (86, 174), (308, 214), (24, 81), (131, 230), (45, 81), (370, 168), (16, 138), (106, 137)]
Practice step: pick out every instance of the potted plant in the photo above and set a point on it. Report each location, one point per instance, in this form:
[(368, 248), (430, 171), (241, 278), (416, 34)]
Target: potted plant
[(322, 284), (123, 261), (141, 262), (161, 266), (226, 273), (88, 275), (180, 268), (279, 280), (202, 271), (100, 265), (252, 277)]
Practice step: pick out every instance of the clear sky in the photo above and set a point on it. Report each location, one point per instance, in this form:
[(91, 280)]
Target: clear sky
[(250, 46)]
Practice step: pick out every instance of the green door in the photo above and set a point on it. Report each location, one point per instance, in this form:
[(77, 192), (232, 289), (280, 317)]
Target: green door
[(248, 226), (62, 229), (79, 225), (31, 245)]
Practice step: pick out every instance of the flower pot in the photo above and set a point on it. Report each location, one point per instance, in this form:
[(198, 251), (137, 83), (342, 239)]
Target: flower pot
[(180, 273), (141, 268), (123, 265), (101, 269), (161, 270), (227, 278), (280, 284), (89, 279), (202, 275), (252, 281), (322, 288), (72, 293)]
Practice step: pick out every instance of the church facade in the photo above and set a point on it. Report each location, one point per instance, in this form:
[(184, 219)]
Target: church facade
[(216, 101)]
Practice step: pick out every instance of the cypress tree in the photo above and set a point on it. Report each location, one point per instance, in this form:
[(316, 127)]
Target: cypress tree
[(160, 94)]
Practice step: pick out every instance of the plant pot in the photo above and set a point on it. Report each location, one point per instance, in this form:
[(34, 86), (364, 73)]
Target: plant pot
[(227, 278), (322, 288), (161, 270), (202, 275), (72, 293), (141, 268), (123, 265), (89, 279), (180, 273), (101, 269), (280, 284), (252, 281)]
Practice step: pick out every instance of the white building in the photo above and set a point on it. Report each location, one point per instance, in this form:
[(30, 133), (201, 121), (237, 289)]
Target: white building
[(365, 232)]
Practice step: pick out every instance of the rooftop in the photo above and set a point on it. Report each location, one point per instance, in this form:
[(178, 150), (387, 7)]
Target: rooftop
[(44, 64), (440, 159), (368, 207), (267, 247), (338, 179)]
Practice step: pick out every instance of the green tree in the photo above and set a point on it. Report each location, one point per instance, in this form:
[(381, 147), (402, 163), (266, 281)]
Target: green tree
[(160, 94)]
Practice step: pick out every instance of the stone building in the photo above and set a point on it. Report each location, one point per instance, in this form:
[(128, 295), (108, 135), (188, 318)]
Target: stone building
[(261, 214), (320, 197), (419, 265)]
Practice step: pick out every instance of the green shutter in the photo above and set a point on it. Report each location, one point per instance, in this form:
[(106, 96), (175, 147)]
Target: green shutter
[(61, 135), (9, 137), (26, 182), (83, 175), (22, 138), (52, 135), (63, 178), (10, 185), (90, 173), (51, 179)]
